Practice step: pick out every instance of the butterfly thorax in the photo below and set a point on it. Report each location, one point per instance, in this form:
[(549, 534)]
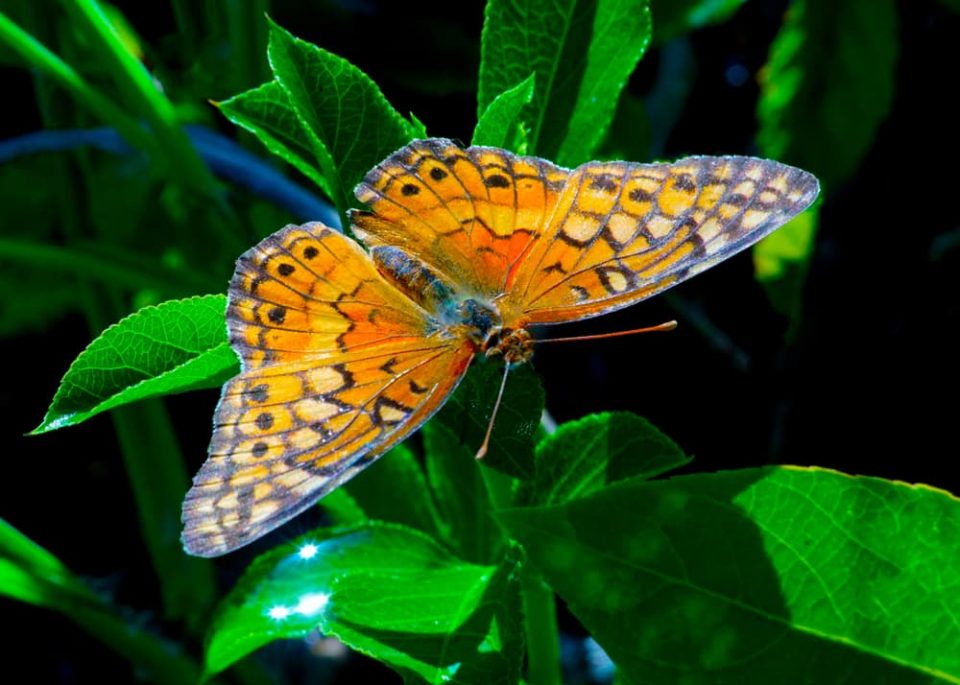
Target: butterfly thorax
[(459, 315)]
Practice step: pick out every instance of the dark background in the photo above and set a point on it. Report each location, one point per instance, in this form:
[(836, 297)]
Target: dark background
[(867, 385)]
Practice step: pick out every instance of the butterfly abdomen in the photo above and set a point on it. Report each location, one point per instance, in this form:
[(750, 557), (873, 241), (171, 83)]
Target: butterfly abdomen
[(416, 280)]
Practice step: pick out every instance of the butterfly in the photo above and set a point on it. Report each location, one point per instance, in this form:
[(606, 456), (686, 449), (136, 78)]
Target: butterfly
[(346, 351)]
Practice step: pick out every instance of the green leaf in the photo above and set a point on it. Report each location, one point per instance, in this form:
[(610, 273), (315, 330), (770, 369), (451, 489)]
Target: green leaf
[(499, 124), (582, 52), (176, 346), (461, 495), (774, 575), (267, 113), (781, 260), (467, 415), (341, 106), (828, 84), (672, 18), (583, 456), (29, 573), (394, 489), (385, 590)]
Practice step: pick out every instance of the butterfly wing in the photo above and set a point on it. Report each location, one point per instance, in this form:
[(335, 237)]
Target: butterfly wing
[(621, 232), (338, 367), (472, 213)]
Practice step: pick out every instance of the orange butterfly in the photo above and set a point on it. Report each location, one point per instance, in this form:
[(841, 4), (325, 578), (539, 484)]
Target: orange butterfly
[(346, 352)]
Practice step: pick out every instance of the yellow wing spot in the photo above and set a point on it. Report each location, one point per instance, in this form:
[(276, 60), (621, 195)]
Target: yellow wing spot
[(753, 218), (754, 172), (710, 229), (303, 438), (711, 194), (674, 200), (779, 183), (615, 281), (622, 228), (230, 520), (313, 410), (745, 188), (769, 196), (289, 480), (595, 201), (659, 226), (727, 211), (249, 475), (390, 414), (227, 501), (581, 228), (325, 379)]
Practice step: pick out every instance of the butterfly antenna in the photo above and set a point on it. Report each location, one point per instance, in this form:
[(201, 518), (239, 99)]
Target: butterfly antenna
[(668, 326), (481, 453)]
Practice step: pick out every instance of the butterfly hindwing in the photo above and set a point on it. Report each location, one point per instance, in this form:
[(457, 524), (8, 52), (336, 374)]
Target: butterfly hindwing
[(622, 232), (286, 435)]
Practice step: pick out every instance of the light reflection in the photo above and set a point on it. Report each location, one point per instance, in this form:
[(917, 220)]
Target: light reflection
[(278, 613), (312, 603), (308, 551)]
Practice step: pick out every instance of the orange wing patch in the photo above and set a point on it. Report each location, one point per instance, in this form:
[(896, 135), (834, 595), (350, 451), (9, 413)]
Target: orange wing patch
[(309, 292), (287, 434), (471, 214), (623, 232)]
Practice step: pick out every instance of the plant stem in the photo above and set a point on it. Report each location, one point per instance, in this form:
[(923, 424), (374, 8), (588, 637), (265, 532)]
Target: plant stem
[(38, 56), (134, 81), (543, 637)]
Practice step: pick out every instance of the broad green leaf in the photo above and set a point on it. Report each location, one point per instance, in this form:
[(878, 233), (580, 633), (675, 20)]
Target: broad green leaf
[(394, 489), (672, 18), (827, 85), (417, 128), (582, 52), (385, 590), (583, 456), (467, 415), (340, 105), (780, 262), (499, 124), (31, 574), (773, 575), (267, 113), (176, 346), (461, 495)]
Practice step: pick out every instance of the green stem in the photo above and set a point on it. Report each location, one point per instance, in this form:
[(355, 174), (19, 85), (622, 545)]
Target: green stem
[(111, 270), (38, 56), (542, 633), (134, 80), (543, 643)]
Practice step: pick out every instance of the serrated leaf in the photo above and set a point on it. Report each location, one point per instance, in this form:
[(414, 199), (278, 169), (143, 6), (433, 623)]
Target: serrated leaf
[(499, 124), (672, 18), (773, 575), (583, 456), (467, 415), (267, 113), (582, 52), (173, 347), (461, 496), (395, 489), (827, 85), (385, 590), (340, 105)]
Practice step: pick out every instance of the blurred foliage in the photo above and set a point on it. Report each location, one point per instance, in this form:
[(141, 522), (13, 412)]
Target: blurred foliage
[(440, 567)]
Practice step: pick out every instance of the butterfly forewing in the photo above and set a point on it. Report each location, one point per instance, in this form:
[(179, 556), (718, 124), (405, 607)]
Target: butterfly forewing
[(338, 367), (472, 214), (622, 232)]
